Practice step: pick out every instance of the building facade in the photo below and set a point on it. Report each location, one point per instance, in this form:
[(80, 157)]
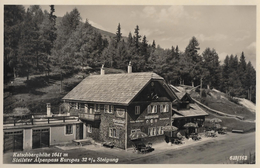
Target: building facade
[(185, 110), (112, 106), (42, 133)]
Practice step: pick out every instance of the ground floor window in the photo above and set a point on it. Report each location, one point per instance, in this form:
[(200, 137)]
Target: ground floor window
[(160, 130), (113, 133), (152, 131), (89, 128), (69, 129)]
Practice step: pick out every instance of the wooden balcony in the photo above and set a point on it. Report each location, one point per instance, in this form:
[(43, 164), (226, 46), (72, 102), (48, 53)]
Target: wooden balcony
[(90, 117)]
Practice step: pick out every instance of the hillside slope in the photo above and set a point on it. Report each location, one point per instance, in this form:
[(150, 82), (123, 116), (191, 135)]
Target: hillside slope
[(35, 93), (216, 100), (219, 101)]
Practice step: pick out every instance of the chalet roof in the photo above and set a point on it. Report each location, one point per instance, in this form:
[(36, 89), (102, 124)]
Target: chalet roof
[(111, 88), (179, 93), (194, 111)]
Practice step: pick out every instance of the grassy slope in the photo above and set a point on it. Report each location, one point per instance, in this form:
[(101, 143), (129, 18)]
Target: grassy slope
[(218, 101)]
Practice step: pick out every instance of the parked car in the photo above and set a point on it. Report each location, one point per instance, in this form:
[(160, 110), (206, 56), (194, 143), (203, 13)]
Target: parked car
[(210, 134), (109, 144)]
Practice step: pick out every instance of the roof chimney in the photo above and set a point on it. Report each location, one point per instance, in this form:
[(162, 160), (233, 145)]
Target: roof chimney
[(102, 71), (129, 70)]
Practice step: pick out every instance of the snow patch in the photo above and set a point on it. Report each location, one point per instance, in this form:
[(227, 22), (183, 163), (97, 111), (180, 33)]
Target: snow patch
[(247, 103)]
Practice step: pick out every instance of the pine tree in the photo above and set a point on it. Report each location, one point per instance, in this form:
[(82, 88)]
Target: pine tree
[(153, 45), (225, 75), (130, 39), (118, 34), (251, 82), (144, 48), (27, 46), (211, 63), (194, 60), (121, 56), (13, 20), (192, 49), (137, 38), (242, 71)]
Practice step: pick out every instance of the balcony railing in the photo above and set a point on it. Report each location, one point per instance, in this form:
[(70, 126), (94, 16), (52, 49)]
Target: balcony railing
[(90, 117)]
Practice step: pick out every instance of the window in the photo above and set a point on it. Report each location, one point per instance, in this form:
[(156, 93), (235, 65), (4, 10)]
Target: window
[(135, 130), (152, 131), (137, 110), (109, 109), (161, 108), (101, 106), (77, 106), (89, 128), (97, 107), (160, 130), (69, 129), (82, 105), (167, 107), (154, 109), (164, 108), (73, 105), (113, 133), (86, 108), (90, 110), (149, 109)]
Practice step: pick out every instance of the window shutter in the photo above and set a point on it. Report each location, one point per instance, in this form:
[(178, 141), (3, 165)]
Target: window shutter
[(155, 108)]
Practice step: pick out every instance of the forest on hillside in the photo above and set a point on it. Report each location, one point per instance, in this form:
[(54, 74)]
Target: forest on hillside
[(37, 42)]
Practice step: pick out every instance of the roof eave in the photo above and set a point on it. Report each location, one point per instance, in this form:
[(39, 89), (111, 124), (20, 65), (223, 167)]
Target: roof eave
[(96, 102)]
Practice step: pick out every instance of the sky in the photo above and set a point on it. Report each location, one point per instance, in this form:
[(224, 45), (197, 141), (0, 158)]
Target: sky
[(228, 29)]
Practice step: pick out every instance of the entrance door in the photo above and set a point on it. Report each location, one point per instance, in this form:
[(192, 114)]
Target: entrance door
[(13, 141), (41, 138), (79, 131)]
